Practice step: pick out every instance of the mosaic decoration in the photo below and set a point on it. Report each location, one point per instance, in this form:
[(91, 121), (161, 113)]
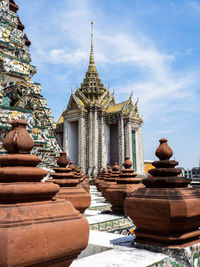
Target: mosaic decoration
[(19, 96), (112, 224), (119, 225), (101, 208), (177, 257)]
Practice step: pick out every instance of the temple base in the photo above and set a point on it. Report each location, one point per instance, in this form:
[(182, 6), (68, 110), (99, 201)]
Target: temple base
[(168, 241), (183, 255)]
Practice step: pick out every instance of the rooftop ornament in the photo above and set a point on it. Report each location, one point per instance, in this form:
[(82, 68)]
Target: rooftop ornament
[(166, 212), (35, 228)]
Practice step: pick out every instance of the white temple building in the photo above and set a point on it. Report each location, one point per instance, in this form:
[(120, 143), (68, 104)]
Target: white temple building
[(95, 131)]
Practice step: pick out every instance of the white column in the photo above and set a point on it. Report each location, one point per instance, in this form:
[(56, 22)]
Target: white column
[(139, 151), (90, 145), (105, 144), (94, 143), (121, 141), (81, 142), (65, 136), (128, 140)]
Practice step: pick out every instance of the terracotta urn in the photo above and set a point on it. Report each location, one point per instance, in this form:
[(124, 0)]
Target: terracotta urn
[(166, 212), (96, 180), (126, 183), (102, 175), (63, 160), (112, 179), (69, 181), (84, 183), (35, 228), (108, 180)]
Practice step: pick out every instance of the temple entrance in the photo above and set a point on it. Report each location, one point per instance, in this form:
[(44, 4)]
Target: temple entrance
[(114, 150), (73, 141)]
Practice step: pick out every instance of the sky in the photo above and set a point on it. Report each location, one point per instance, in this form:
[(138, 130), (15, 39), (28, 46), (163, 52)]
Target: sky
[(148, 47)]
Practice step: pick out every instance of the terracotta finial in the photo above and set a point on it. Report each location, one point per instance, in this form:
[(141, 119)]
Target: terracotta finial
[(71, 165), (163, 152), (63, 161), (109, 169), (115, 167), (127, 163), (18, 140)]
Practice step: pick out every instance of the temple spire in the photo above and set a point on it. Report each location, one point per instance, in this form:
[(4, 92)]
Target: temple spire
[(92, 66)]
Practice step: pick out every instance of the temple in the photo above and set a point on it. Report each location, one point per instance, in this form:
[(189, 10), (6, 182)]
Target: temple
[(19, 96), (95, 131)]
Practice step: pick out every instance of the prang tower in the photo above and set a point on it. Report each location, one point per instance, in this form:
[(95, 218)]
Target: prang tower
[(19, 96)]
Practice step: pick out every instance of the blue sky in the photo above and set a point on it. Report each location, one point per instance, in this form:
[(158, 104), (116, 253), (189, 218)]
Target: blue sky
[(149, 47)]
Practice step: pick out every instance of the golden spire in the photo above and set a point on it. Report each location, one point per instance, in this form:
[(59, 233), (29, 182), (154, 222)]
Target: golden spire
[(92, 66)]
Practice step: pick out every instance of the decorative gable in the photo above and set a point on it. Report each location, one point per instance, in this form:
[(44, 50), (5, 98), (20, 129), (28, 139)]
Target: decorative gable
[(74, 103)]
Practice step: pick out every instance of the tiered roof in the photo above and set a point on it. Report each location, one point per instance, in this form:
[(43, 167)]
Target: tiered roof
[(92, 93), (92, 87)]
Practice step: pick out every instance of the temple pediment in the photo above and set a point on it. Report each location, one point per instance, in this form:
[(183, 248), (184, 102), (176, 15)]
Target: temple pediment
[(75, 103)]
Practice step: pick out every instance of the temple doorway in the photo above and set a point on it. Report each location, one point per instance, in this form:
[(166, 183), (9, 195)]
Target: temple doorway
[(73, 141), (114, 149)]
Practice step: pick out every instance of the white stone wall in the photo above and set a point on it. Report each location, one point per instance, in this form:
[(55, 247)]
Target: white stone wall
[(107, 144), (95, 143), (82, 142), (139, 151), (139, 147), (90, 144), (121, 141), (128, 140), (65, 136)]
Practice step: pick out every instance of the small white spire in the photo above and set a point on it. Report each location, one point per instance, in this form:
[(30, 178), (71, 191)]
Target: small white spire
[(92, 63)]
